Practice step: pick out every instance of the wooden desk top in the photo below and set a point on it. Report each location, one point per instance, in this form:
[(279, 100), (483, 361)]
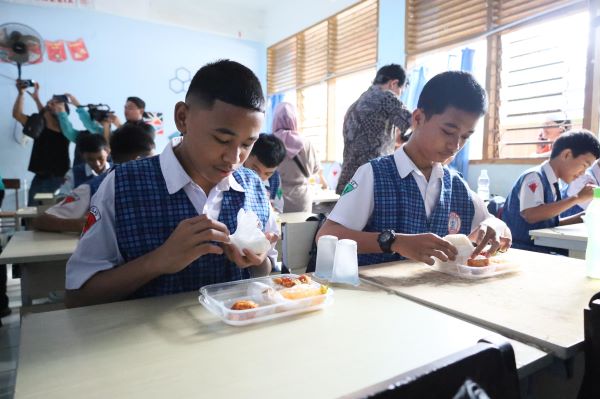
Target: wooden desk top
[(28, 212), (574, 232), (38, 246), (542, 304), (172, 347)]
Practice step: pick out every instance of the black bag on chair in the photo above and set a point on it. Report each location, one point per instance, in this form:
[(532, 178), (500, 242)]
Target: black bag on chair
[(590, 387), (312, 261)]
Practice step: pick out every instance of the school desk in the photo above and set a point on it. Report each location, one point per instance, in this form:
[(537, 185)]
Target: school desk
[(171, 347), (572, 237), (45, 198), (542, 304), (42, 257)]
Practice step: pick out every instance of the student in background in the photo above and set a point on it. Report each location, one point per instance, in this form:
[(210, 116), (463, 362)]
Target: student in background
[(535, 201), (128, 143), (50, 154), (300, 163), (94, 151), (144, 236), (591, 176), (551, 130), (267, 153), (401, 205)]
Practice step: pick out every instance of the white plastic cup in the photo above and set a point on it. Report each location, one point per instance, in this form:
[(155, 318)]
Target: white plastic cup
[(345, 263), (325, 255)]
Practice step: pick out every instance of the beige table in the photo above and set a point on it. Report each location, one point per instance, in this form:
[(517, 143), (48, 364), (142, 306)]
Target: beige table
[(45, 198), (42, 257), (572, 237), (294, 217), (325, 196), (542, 304), (171, 347)]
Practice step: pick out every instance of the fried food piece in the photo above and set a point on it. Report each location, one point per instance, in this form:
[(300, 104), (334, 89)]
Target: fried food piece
[(287, 282), (304, 279), (478, 261), (244, 305)]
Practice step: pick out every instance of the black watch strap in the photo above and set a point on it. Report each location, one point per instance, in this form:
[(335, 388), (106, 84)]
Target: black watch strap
[(385, 240)]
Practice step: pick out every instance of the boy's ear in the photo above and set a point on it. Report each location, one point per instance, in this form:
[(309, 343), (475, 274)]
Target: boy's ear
[(566, 153), (418, 118), (181, 113)]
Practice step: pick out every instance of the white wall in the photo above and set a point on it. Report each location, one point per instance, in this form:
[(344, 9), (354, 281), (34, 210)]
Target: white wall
[(127, 57), (502, 177)]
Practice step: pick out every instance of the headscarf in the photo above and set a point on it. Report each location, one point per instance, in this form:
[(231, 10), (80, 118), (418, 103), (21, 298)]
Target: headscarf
[(285, 128)]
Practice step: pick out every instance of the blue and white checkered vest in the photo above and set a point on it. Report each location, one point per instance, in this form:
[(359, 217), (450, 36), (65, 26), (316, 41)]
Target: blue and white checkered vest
[(512, 213), (146, 215), (79, 175), (399, 206)]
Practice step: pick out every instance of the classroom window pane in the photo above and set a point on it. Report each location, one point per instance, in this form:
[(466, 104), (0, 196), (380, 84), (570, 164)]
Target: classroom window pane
[(312, 115)]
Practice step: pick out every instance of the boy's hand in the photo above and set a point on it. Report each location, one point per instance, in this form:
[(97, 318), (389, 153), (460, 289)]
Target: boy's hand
[(190, 240), (424, 247), (586, 193), (247, 258), (487, 235)]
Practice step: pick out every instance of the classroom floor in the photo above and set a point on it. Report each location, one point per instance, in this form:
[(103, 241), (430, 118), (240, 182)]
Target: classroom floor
[(9, 339)]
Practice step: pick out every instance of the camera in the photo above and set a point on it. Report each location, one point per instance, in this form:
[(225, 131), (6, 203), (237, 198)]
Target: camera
[(61, 98), (25, 83), (99, 112)]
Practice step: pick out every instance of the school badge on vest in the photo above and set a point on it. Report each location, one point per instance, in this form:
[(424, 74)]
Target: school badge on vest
[(453, 223), (92, 217), (350, 187)]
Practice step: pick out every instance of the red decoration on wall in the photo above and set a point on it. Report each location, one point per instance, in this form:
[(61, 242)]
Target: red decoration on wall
[(56, 50), (78, 50)]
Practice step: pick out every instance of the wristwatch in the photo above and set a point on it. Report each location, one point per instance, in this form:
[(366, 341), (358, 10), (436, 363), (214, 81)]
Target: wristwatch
[(385, 240)]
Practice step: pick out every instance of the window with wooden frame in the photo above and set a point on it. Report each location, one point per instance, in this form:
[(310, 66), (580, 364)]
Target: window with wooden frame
[(536, 64), (318, 63)]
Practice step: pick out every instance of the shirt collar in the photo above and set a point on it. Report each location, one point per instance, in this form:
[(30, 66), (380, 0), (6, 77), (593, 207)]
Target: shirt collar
[(550, 175), (176, 177), (405, 165), (90, 171)]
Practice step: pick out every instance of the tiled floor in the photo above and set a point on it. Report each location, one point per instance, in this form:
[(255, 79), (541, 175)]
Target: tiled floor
[(9, 339)]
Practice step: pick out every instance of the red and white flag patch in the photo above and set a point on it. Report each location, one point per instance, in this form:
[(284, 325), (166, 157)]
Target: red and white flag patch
[(70, 198), (533, 187), (92, 217)]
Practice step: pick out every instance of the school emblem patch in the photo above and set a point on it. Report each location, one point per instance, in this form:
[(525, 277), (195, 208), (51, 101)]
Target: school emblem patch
[(453, 223), (350, 187), (70, 198), (533, 187), (92, 217)]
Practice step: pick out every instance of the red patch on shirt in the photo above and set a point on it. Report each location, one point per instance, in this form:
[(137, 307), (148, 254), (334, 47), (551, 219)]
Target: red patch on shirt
[(92, 217), (69, 199), (533, 187)]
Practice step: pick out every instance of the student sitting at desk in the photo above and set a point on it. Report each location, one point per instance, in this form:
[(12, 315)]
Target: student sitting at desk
[(129, 142), (94, 151), (268, 152), (399, 206), (161, 225), (535, 201)]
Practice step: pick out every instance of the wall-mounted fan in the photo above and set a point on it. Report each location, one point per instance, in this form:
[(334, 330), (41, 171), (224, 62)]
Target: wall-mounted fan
[(20, 45)]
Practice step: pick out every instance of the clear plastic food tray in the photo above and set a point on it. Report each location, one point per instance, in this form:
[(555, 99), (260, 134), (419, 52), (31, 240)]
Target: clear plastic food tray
[(219, 298), (499, 264)]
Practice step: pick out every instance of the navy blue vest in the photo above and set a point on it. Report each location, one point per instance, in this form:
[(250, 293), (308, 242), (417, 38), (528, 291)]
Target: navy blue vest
[(399, 206), (79, 175), (274, 184), (512, 213), (146, 215)]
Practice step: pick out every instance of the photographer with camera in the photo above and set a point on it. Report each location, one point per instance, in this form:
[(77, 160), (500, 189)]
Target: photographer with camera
[(134, 111), (50, 154)]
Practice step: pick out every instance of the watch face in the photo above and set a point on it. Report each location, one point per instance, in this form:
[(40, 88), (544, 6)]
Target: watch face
[(385, 236)]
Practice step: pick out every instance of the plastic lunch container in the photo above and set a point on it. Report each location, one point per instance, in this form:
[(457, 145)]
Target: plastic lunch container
[(498, 265), (218, 299)]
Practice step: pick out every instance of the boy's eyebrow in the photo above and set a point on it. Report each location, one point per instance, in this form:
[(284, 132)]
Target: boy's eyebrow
[(224, 130), (453, 126)]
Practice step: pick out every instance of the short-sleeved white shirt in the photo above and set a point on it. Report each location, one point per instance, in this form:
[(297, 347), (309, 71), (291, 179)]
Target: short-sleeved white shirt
[(69, 184), (591, 176), (98, 249), (532, 190), (355, 206), (74, 206)]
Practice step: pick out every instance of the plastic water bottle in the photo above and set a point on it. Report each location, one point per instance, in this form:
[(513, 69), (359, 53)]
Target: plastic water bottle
[(592, 222), (483, 185)]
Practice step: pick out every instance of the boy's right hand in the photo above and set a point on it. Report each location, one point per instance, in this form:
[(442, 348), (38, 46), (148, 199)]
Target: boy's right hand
[(191, 239), (424, 247), (586, 193)]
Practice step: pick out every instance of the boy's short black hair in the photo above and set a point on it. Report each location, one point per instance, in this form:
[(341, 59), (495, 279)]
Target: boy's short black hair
[(452, 89), (129, 141), (138, 102), (90, 143), (269, 150), (390, 72), (580, 142), (227, 81)]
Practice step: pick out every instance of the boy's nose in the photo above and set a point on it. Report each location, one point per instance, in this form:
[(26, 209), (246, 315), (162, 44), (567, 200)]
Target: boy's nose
[(232, 155)]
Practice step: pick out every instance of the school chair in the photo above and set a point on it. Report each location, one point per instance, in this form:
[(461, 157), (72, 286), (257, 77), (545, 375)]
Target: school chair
[(487, 367), (590, 386), (496, 205), (9, 219), (296, 244)]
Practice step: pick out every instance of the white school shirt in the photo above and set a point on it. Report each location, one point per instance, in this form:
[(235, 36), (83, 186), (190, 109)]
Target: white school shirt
[(74, 206), (532, 190), (98, 249), (354, 208), (591, 176)]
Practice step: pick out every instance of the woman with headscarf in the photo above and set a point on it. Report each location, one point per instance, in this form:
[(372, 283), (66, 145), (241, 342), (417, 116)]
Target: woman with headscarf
[(300, 163)]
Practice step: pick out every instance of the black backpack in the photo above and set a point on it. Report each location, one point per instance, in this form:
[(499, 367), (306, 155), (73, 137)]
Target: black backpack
[(34, 126), (312, 261)]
